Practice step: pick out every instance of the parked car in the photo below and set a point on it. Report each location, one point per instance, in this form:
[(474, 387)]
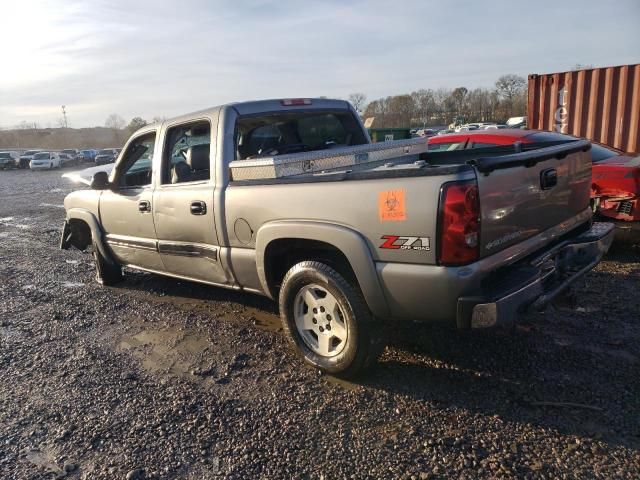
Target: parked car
[(517, 122), (426, 132), (615, 189), (45, 160), (615, 186), (67, 160), (106, 155), (232, 200), (9, 160), (26, 158), (72, 154), (88, 155)]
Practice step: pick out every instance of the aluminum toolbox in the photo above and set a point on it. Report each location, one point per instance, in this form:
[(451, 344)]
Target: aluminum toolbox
[(357, 157)]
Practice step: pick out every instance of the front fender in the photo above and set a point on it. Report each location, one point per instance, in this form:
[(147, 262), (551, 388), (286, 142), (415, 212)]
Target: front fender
[(348, 241), (96, 231)]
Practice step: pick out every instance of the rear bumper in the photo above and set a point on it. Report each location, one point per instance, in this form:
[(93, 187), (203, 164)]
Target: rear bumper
[(536, 281)]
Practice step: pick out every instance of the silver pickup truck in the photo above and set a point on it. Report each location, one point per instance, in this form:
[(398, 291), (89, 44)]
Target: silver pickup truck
[(290, 199)]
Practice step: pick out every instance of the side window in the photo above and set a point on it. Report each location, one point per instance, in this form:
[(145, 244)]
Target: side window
[(186, 153), (136, 162)]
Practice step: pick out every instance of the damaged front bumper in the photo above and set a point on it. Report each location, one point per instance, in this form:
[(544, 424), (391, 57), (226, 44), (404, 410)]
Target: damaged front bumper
[(536, 281)]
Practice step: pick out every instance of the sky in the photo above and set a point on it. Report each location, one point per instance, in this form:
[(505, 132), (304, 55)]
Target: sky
[(165, 58)]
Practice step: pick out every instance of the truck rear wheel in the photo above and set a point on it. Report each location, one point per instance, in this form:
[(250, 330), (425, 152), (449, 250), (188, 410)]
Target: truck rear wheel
[(327, 320), (107, 274)]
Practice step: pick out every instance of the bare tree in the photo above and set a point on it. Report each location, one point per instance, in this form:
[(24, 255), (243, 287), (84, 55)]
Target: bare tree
[(136, 123), (508, 86), (358, 100), (424, 105), (458, 99), (115, 122)]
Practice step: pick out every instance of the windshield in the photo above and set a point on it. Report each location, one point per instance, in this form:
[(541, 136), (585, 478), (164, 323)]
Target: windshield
[(105, 152), (68, 151), (30, 152), (291, 132), (87, 152), (40, 156), (5, 155)]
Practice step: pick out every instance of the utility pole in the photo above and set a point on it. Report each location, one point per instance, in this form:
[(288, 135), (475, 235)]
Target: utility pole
[(64, 114)]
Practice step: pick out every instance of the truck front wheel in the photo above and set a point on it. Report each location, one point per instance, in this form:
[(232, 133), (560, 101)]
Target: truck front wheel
[(327, 320), (107, 274)]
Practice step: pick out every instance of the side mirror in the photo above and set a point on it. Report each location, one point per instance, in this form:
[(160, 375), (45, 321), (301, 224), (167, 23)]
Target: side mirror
[(100, 181)]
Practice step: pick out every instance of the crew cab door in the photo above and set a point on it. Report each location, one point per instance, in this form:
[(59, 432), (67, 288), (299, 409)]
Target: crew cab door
[(126, 209), (183, 204)]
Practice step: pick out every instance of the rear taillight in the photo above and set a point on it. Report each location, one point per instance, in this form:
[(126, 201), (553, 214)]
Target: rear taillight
[(459, 223)]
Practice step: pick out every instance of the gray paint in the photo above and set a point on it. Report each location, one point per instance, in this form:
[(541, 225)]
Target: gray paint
[(343, 213)]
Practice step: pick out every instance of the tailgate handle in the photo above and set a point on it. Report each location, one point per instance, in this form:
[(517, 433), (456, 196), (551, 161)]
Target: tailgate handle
[(548, 178)]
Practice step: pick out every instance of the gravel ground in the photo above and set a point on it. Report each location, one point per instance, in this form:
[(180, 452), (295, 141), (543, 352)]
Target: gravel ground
[(159, 378)]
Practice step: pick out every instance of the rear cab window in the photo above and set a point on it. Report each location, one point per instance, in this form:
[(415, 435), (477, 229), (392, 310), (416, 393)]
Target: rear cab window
[(280, 133)]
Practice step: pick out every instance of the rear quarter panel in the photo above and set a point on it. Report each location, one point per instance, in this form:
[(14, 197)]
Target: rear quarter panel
[(356, 204)]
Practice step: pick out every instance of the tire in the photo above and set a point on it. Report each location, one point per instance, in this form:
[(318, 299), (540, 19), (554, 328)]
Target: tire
[(355, 336), (106, 273)]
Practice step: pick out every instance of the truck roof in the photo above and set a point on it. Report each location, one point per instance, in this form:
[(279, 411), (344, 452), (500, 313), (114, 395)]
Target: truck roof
[(259, 106)]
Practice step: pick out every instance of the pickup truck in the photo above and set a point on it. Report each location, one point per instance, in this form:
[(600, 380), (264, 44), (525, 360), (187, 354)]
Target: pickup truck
[(289, 199)]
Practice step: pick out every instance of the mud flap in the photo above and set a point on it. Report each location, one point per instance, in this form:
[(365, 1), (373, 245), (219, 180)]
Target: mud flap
[(65, 238)]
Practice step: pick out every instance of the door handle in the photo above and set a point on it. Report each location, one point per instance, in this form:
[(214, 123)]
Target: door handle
[(144, 206), (198, 207)]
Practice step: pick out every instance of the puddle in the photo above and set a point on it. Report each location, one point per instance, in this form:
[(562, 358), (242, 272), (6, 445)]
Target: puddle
[(344, 384), (72, 284), (53, 205), (263, 320), (171, 351), (10, 222), (43, 460), (72, 262)]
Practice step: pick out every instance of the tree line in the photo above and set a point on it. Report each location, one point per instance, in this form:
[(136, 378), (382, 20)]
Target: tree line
[(114, 134), (429, 107)]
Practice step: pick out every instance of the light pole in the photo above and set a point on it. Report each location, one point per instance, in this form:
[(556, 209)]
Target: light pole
[(64, 114)]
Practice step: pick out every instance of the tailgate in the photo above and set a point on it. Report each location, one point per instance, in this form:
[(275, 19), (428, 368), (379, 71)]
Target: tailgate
[(524, 194)]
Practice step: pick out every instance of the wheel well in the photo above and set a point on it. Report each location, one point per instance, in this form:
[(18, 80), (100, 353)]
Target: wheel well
[(282, 254), (80, 233)]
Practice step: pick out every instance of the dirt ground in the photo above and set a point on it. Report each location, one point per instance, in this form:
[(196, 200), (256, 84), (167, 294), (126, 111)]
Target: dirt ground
[(160, 378)]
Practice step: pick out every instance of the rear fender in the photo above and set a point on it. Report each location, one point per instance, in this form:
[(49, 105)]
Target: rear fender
[(349, 242)]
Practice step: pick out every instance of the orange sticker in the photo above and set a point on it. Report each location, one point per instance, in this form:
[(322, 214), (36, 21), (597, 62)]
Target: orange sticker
[(391, 206)]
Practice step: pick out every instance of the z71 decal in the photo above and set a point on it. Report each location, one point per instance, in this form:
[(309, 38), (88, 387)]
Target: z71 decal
[(396, 242)]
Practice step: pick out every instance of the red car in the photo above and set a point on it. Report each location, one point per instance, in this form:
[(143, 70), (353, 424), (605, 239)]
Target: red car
[(615, 187)]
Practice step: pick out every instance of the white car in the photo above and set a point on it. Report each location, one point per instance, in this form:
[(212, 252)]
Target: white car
[(45, 160)]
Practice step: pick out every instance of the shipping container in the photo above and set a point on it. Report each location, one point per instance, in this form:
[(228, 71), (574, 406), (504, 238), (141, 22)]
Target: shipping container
[(601, 104)]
